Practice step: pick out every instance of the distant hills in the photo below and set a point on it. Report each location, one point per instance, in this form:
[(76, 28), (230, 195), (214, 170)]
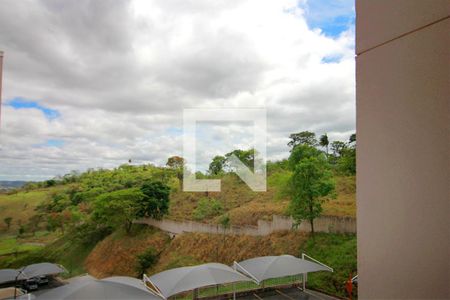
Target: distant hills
[(5, 184)]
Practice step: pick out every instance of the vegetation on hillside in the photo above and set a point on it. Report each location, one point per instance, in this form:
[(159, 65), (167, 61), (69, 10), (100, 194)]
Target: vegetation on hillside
[(123, 254), (337, 251), (87, 218), (311, 181)]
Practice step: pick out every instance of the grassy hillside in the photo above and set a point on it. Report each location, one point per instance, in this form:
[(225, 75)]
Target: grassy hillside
[(339, 252), (82, 245), (69, 250), (345, 202), (245, 207), (96, 252), (21, 206), (191, 248), (117, 254), (10, 244)]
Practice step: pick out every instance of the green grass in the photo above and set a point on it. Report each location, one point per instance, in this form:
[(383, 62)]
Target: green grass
[(70, 251), (337, 251), (10, 245), (21, 206)]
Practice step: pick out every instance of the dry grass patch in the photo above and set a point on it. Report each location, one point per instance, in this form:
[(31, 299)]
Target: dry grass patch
[(117, 254), (245, 206), (345, 203), (195, 248), (250, 213), (21, 206)]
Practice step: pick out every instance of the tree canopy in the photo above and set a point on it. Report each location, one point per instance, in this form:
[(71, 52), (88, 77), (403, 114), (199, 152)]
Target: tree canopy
[(118, 208), (155, 202), (312, 180), (217, 165), (302, 138)]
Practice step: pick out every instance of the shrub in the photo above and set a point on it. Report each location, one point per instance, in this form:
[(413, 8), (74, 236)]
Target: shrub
[(21, 230), (146, 260), (339, 252), (207, 208)]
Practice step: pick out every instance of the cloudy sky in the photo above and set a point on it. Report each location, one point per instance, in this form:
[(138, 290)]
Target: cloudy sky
[(95, 83)]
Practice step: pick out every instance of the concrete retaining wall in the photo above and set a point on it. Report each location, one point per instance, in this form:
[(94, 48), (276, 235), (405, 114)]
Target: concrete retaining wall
[(278, 223)]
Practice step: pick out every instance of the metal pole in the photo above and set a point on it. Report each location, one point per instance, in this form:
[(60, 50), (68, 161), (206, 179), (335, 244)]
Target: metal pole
[(303, 275), (15, 283), (304, 281), (234, 284)]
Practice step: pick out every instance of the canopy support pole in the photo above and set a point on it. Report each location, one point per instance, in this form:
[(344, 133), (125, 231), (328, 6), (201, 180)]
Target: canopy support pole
[(236, 265), (234, 284), (315, 260), (15, 282), (304, 281), (154, 291)]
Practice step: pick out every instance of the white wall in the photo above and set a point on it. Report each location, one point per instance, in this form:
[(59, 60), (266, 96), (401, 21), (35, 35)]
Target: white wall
[(403, 205)]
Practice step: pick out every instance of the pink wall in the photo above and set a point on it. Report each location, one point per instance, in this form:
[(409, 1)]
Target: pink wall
[(403, 205)]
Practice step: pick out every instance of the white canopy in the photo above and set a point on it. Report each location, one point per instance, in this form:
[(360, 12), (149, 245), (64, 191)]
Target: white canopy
[(266, 267), (42, 269), (9, 275), (113, 288), (30, 271), (174, 281)]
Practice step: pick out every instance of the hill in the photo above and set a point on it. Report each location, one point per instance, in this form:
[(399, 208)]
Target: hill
[(58, 215), (21, 206), (5, 184), (118, 256), (243, 205)]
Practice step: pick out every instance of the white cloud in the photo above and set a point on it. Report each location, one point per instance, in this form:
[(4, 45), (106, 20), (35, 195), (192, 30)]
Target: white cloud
[(120, 74)]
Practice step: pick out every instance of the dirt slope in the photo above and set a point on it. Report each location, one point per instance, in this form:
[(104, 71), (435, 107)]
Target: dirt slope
[(116, 254)]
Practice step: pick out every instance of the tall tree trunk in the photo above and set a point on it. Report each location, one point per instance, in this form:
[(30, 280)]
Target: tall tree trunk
[(311, 221)]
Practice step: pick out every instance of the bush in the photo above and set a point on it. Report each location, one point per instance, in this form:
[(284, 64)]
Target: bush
[(337, 251), (21, 230), (207, 208), (146, 260)]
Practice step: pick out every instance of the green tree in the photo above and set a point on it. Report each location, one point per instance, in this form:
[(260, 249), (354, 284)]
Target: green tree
[(338, 148), (247, 157), (146, 260), (217, 165), (176, 163), (312, 180), (118, 208), (347, 160), (346, 164), (56, 220), (8, 221), (21, 230), (155, 201), (324, 142), (352, 138), (302, 138), (34, 223), (50, 182)]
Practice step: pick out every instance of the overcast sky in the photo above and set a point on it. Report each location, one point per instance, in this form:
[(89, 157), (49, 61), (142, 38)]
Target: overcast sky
[(90, 84)]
